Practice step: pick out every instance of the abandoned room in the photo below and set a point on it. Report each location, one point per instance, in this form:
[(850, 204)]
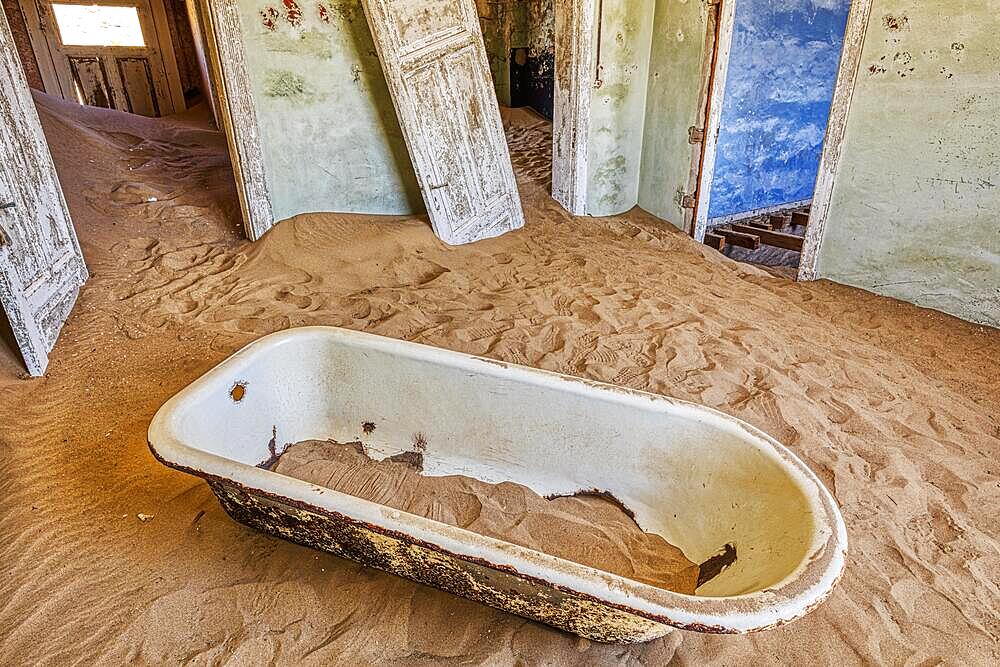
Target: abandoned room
[(499, 332)]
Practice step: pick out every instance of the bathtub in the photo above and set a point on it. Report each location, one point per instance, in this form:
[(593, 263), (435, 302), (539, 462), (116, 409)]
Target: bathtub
[(708, 483)]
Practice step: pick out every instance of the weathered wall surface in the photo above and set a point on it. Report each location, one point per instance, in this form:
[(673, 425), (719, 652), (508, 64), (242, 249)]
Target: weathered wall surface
[(19, 31), (915, 212), (779, 85), (329, 131), (618, 106), (673, 102)]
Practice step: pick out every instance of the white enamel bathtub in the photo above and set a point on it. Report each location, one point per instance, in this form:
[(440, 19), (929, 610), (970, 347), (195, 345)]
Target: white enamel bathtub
[(699, 478)]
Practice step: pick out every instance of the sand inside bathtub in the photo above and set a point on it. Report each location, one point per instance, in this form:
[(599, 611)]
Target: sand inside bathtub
[(589, 529)]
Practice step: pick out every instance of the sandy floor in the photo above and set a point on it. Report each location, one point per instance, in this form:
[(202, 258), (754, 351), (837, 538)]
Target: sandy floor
[(896, 408)]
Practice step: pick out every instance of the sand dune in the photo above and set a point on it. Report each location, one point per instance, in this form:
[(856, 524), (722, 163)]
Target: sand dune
[(896, 408)]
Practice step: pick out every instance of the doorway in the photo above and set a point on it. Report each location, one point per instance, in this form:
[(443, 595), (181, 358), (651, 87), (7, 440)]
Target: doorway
[(115, 54), (777, 69)]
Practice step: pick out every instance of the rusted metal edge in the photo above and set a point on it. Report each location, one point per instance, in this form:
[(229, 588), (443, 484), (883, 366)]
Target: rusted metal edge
[(506, 569)]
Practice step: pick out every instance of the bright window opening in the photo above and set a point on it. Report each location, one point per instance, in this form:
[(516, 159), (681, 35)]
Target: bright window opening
[(81, 25)]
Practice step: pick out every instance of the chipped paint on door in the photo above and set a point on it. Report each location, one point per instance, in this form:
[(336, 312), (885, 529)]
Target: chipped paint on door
[(434, 61), (41, 266)]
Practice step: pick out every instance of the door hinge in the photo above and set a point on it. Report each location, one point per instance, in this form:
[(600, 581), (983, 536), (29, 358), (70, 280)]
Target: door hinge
[(687, 201), (696, 135)]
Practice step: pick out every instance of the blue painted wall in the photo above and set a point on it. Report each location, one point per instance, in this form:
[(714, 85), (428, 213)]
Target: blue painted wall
[(779, 86)]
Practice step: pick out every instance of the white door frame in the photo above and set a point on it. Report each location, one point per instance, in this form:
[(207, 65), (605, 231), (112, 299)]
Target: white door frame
[(710, 136), (230, 83), (857, 22), (833, 143), (573, 83)]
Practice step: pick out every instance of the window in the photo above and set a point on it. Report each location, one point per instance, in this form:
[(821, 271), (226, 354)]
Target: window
[(96, 25)]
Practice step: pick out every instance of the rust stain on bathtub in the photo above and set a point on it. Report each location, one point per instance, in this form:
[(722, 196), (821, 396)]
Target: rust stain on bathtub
[(272, 448)]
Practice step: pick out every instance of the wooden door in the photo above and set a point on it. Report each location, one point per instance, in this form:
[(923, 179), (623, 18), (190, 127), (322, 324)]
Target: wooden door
[(41, 266), (435, 64), (114, 54)]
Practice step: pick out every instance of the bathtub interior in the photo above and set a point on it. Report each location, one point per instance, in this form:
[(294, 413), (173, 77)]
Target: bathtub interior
[(700, 480)]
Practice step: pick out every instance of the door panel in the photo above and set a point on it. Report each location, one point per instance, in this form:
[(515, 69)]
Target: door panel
[(41, 266), (435, 64), (136, 76), (91, 82)]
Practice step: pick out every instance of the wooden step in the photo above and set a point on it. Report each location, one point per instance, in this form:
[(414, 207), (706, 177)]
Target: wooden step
[(800, 218), (777, 239), (780, 220), (750, 241), (759, 223), (716, 241)]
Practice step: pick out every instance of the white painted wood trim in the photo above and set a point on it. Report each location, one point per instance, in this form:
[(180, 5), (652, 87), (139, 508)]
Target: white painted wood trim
[(727, 21), (231, 83), (35, 22), (843, 94), (574, 46), (167, 55)]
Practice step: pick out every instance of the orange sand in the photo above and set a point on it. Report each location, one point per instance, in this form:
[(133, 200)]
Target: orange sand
[(895, 408)]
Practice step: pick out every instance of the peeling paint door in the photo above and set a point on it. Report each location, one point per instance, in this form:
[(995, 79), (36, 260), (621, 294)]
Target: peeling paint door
[(109, 53), (435, 64), (41, 266)]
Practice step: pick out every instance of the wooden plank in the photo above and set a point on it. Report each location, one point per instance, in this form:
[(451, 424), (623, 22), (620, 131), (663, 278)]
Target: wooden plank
[(717, 241), (777, 239), (780, 220), (741, 239), (759, 223), (800, 218)]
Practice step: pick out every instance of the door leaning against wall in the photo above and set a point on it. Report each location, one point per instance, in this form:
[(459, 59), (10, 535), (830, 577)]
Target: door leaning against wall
[(41, 266), (115, 54)]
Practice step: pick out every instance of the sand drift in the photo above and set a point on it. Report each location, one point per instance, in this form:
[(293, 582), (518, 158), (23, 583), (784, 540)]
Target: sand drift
[(729, 496)]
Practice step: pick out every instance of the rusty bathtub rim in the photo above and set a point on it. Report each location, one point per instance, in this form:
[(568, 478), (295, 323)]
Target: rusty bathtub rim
[(801, 591)]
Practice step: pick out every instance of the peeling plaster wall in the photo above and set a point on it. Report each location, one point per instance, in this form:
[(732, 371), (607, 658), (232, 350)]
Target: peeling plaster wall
[(330, 136), (618, 105), (915, 212), (673, 102)]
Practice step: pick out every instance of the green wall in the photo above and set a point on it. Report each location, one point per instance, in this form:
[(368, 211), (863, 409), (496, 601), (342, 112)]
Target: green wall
[(673, 104), (329, 131), (915, 212), (618, 106)]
